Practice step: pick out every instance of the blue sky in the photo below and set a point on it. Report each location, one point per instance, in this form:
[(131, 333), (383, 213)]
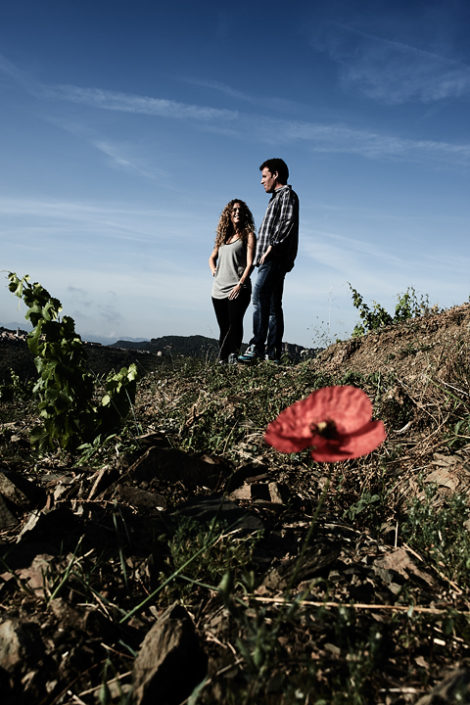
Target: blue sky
[(125, 128)]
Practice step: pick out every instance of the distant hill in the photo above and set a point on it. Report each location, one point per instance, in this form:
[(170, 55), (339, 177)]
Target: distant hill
[(14, 325), (201, 347), (169, 345), (14, 353), (86, 337)]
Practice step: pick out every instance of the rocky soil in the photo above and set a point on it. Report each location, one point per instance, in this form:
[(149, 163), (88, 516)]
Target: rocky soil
[(158, 570)]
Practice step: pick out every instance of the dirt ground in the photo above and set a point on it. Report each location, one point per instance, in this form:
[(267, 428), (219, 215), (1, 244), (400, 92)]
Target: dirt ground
[(93, 605)]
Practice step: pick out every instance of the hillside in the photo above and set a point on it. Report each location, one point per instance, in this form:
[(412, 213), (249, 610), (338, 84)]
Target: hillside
[(186, 551), (14, 353), (198, 346)]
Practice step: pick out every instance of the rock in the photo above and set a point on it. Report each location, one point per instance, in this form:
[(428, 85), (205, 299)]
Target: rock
[(315, 560), (264, 491), (6, 517), (170, 662), (57, 526), (20, 491), (398, 562), (140, 498), (20, 642), (216, 507), (455, 688), (36, 575), (169, 464), (443, 478)]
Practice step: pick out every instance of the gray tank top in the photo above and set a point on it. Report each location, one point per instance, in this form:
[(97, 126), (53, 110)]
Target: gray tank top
[(231, 264)]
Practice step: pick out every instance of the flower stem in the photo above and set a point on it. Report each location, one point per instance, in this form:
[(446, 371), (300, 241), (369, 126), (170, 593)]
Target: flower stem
[(308, 536)]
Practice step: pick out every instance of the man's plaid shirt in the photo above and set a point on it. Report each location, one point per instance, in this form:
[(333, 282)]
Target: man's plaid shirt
[(280, 228)]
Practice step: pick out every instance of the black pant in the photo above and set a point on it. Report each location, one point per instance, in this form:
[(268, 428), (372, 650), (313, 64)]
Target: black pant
[(229, 314)]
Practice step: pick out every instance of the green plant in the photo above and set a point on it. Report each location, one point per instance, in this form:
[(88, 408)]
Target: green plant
[(372, 319), (365, 505), (440, 532), (15, 388), (409, 305), (231, 552), (65, 389)]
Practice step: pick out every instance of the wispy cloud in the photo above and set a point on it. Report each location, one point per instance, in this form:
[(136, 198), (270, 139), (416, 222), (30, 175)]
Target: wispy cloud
[(380, 270), (268, 102), (319, 137), (114, 100), (58, 217), (219, 87), (105, 308), (331, 138), (121, 157), (391, 71), (342, 259), (141, 105), (17, 75)]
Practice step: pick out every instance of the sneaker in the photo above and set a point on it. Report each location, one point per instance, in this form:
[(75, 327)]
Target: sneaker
[(232, 359), (272, 360), (249, 356)]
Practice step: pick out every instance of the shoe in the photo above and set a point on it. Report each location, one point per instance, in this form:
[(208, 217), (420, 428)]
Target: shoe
[(232, 359), (272, 360), (250, 356)]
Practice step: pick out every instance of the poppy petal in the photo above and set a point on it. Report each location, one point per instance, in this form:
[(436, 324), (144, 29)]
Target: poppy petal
[(347, 408), (360, 443)]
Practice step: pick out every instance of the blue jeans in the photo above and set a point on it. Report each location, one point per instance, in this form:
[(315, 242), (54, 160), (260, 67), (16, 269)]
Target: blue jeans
[(268, 317)]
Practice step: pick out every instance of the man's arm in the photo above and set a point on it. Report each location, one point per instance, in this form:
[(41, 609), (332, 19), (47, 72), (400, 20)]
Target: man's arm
[(265, 254), (287, 218)]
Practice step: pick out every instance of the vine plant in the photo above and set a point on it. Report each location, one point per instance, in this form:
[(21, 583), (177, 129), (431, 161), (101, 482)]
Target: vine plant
[(409, 305), (65, 388)]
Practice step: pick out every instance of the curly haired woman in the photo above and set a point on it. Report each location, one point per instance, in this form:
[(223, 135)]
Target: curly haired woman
[(231, 263)]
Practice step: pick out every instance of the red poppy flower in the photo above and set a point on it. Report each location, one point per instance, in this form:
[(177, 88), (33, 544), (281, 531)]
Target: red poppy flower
[(335, 422)]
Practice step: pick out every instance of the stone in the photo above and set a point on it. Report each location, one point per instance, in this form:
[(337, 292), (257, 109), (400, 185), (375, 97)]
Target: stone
[(19, 642), (454, 688), (170, 662), (6, 517)]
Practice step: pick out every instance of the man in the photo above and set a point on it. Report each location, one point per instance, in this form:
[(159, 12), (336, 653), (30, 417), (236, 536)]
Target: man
[(276, 250)]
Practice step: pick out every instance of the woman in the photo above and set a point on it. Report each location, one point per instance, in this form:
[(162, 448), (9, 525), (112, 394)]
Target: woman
[(231, 263)]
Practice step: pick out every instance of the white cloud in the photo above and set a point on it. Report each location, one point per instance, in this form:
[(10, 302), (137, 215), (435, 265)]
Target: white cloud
[(28, 215), (391, 71), (267, 102), (330, 138), (142, 105), (320, 137), (122, 157)]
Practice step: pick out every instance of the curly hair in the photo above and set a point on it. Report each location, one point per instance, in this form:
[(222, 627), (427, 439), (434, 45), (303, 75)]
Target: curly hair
[(225, 228)]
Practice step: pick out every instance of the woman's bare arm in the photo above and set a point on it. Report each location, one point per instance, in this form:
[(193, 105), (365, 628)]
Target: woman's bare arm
[(213, 260)]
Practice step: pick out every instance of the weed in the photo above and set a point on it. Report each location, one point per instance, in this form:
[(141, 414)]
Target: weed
[(409, 305), (65, 388), (197, 417), (440, 533), (366, 505), (232, 552), (15, 389)]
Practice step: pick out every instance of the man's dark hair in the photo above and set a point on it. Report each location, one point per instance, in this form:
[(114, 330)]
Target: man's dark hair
[(278, 165)]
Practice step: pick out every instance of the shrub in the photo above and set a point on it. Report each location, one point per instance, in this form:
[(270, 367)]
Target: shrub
[(409, 305), (65, 388)]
